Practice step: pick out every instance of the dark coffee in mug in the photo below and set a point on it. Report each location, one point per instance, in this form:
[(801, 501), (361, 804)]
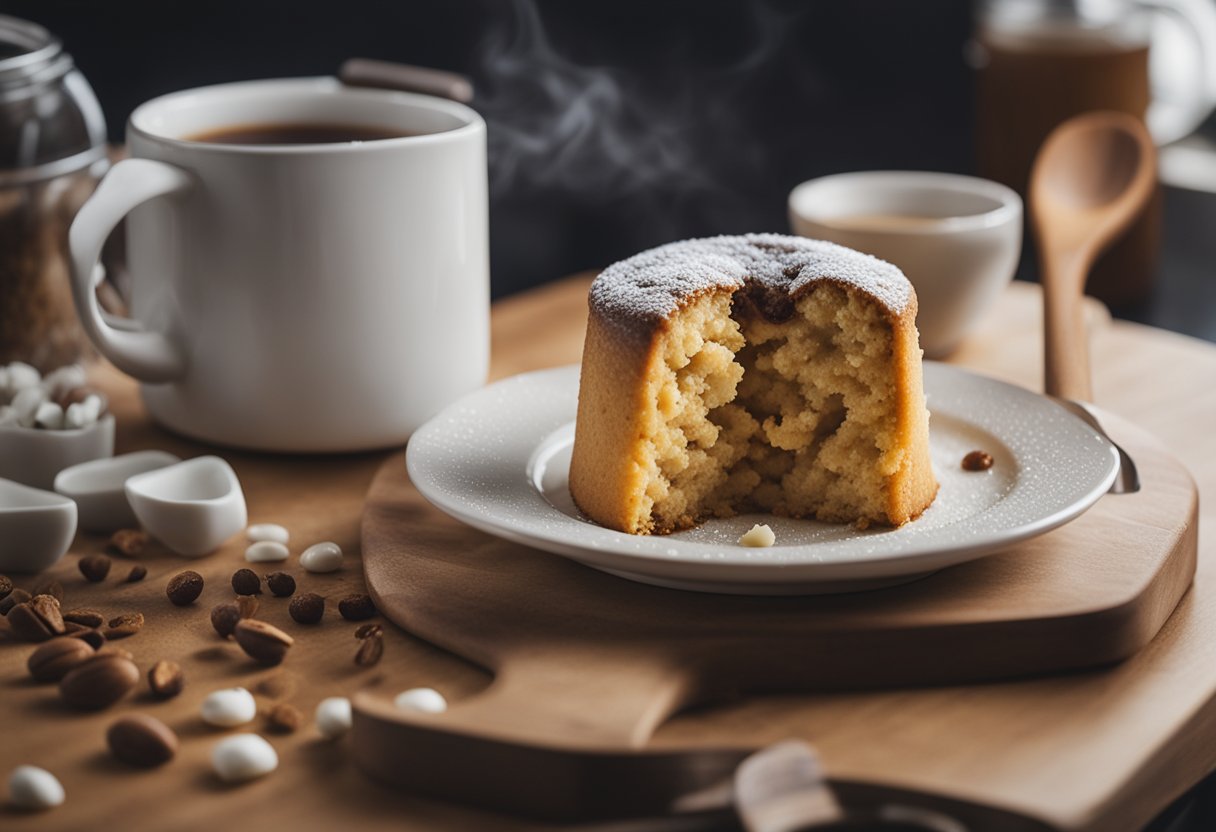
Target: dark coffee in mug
[(298, 133)]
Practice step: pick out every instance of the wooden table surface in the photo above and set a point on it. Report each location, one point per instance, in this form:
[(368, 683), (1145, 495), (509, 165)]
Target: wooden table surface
[(1107, 749)]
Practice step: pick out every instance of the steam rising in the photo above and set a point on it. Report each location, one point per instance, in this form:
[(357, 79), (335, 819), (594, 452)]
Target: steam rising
[(602, 133)]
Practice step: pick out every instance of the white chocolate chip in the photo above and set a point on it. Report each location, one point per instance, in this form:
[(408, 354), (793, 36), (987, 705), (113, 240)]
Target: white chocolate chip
[(272, 532), (266, 551), (30, 787), (49, 416), (322, 557), (427, 700), (758, 536), (229, 707), (26, 403), (243, 757), (333, 717)]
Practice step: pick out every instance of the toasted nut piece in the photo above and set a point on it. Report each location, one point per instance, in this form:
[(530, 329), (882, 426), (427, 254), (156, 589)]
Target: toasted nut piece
[(368, 630), (246, 582), (284, 718), (184, 588), (84, 617), (977, 461), (95, 568), (128, 542), (15, 597), (370, 650), (141, 740), (38, 619), (357, 607), (281, 584), (263, 642), (307, 608), (6, 586), (127, 624), (99, 682), (166, 680), (138, 573), (224, 618), (248, 605), (52, 659)]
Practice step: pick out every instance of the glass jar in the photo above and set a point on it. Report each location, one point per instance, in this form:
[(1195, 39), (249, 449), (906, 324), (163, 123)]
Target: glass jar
[(52, 153)]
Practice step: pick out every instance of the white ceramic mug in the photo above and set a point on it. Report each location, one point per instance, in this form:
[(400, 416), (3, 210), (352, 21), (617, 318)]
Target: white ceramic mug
[(957, 238), (296, 297)]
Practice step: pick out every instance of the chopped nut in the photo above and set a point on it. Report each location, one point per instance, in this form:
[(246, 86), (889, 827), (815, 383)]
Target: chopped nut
[(138, 573), (246, 582), (224, 618), (6, 586), (370, 650), (357, 607), (248, 605), (281, 584), (15, 597), (165, 679), (262, 642), (758, 536), (95, 568), (128, 542), (38, 619), (121, 626), (307, 608), (85, 617), (184, 588), (977, 461), (368, 630), (284, 719)]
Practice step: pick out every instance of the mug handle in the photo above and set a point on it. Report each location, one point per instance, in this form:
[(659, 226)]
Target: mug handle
[(1172, 120), (148, 356)]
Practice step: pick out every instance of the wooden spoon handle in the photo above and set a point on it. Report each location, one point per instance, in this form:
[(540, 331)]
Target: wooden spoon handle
[(1066, 349)]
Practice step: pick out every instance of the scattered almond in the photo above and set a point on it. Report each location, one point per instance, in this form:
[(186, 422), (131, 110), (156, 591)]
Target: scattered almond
[(122, 626), (128, 542), (95, 568), (165, 679), (284, 718)]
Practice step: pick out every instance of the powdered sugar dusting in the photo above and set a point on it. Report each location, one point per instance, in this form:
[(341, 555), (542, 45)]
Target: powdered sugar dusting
[(652, 285)]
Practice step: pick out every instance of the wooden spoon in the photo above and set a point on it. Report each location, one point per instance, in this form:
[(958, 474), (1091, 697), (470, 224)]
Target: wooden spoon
[(1092, 177)]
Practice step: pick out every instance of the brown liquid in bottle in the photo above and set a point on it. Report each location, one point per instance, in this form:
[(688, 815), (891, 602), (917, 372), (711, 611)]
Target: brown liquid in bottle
[(1027, 84)]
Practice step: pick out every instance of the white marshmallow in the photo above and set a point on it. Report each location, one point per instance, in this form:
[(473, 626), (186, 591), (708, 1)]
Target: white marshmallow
[(266, 551), (229, 707), (427, 700), (272, 532), (243, 757), (49, 416), (22, 376), (30, 787), (76, 417), (333, 717), (26, 403), (758, 536), (322, 557), (68, 377)]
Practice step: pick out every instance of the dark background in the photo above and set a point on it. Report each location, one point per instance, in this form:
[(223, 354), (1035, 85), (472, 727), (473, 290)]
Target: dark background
[(623, 125)]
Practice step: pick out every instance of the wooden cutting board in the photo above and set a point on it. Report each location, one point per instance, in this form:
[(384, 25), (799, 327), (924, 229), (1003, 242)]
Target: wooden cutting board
[(1094, 750), (589, 665)]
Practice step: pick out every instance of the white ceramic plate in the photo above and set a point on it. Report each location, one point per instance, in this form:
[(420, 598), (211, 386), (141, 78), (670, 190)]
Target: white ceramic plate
[(499, 459)]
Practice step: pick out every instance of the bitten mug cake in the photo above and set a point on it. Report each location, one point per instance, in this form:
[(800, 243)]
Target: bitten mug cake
[(756, 373)]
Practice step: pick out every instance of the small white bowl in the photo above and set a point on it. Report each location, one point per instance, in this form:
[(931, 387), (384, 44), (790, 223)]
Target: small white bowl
[(97, 487), (36, 527), (192, 507), (34, 457), (957, 238)]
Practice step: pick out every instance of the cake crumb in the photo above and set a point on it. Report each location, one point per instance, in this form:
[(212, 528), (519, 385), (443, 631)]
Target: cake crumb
[(758, 536)]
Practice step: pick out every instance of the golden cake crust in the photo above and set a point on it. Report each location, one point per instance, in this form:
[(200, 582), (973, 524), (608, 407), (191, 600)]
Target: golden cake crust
[(632, 307)]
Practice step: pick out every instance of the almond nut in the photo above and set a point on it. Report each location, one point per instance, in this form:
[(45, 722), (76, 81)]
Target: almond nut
[(264, 643), (99, 682), (141, 740), (52, 659)]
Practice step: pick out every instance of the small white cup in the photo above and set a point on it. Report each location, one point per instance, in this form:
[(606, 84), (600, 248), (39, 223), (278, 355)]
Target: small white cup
[(957, 238), (192, 507)]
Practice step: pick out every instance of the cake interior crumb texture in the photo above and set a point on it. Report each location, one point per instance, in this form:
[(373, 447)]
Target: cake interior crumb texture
[(805, 414)]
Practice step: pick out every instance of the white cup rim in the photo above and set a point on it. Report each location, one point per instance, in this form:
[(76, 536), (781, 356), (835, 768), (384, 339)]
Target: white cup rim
[(1007, 205), (322, 86)]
